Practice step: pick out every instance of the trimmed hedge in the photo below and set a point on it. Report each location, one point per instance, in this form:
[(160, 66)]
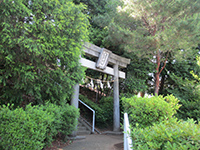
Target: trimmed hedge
[(167, 135), (35, 126), (146, 111)]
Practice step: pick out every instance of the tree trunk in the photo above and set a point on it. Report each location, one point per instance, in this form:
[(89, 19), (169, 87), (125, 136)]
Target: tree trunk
[(162, 82), (157, 74), (157, 83)]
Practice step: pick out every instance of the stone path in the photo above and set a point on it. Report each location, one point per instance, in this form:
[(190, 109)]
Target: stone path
[(96, 142)]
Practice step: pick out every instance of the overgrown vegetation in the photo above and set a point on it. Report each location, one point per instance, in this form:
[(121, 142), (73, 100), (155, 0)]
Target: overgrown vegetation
[(35, 126), (40, 44)]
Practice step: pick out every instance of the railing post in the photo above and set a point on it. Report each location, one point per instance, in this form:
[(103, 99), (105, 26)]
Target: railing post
[(127, 138), (93, 121)]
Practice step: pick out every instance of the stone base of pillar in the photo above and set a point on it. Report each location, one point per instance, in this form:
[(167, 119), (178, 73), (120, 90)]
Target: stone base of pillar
[(75, 138), (112, 133)]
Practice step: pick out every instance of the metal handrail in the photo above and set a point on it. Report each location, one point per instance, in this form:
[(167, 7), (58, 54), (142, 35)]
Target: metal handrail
[(93, 118), (127, 138)]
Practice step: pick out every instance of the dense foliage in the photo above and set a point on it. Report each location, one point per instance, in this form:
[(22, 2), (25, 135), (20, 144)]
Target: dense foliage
[(186, 88), (167, 135), (137, 77), (95, 8), (40, 44), (144, 111), (188, 93), (178, 68), (34, 127)]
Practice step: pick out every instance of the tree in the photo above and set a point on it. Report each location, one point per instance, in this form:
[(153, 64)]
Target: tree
[(40, 44), (158, 28)]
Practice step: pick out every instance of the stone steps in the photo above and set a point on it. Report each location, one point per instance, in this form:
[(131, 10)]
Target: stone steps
[(82, 128)]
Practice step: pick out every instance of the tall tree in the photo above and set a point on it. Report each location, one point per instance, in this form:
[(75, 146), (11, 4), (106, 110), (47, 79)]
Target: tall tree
[(40, 44), (158, 28)]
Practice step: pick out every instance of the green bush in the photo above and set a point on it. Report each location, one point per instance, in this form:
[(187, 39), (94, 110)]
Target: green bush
[(146, 111), (35, 127), (55, 112), (23, 130), (69, 119), (167, 135), (65, 119)]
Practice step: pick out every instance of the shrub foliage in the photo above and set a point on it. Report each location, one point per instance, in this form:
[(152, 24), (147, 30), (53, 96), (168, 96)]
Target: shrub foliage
[(34, 127), (146, 111), (167, 135)]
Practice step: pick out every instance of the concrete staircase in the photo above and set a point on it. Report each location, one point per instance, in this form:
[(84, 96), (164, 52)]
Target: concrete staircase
[(83, 128)]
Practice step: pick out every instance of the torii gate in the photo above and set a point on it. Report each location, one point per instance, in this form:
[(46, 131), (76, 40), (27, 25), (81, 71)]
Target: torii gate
[(104, 57)]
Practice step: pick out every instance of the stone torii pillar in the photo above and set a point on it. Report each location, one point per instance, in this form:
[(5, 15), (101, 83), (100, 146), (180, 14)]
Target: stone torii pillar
[(74, 102), (116, 108), (75, 96)]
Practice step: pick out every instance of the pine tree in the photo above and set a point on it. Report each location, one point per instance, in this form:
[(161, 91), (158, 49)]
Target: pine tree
[(159, 28)]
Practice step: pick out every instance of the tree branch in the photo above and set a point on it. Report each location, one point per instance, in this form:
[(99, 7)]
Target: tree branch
[(158, 61), (163, 20), (164, 63), (146, 24), (154, 31)]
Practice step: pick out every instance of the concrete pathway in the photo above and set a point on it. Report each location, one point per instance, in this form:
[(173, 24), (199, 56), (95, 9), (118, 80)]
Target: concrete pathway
[(96, 142)]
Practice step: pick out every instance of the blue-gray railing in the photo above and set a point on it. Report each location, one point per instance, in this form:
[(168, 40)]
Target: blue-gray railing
[(93, 118)]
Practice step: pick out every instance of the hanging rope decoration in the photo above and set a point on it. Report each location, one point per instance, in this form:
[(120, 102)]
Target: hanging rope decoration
[(98, 81)]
